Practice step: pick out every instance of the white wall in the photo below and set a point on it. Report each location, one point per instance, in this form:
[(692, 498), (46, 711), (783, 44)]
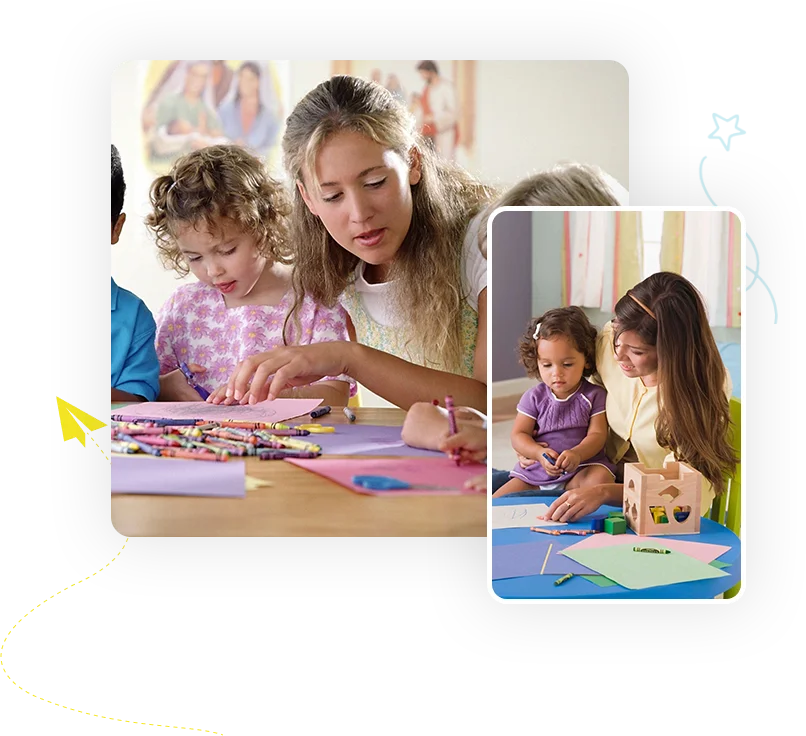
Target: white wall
[(529, 116)]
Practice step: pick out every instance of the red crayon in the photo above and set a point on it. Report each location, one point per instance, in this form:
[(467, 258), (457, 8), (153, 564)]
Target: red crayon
[(452, 424)]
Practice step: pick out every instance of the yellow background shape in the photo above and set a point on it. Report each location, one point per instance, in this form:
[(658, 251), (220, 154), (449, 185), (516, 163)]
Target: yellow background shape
[(283, 675)]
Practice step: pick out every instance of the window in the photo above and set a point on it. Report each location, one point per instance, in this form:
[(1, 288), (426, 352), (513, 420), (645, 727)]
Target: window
[(652, 225)]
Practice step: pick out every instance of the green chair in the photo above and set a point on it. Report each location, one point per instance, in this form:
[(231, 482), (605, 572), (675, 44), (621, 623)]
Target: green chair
[(727, 508)]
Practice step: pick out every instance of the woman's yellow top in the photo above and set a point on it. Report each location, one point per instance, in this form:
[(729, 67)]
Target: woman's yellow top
[(632, 409)]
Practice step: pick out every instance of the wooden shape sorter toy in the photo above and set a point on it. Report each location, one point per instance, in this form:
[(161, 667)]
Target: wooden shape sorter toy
[(663, 500)]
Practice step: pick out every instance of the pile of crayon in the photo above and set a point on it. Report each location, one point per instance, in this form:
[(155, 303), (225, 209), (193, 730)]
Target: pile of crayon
[(196, 439)]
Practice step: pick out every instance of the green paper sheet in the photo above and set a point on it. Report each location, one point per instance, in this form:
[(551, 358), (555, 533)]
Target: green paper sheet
[(604, 582), (637, 570), (599, 580)]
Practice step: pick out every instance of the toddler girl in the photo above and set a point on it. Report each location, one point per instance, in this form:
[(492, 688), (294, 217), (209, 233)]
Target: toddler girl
[(561, 421)]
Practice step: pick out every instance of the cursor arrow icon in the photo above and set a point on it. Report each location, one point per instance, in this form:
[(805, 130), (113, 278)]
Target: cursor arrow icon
[(68, 414)]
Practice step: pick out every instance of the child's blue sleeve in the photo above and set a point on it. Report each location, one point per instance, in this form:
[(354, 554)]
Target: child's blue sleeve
[(141, 370)]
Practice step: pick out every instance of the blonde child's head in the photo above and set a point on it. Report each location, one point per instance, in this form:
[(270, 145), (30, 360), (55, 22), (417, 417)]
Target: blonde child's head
[(216, 188)]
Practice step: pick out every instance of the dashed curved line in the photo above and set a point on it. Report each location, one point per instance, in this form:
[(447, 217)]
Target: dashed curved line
[(41, 603)]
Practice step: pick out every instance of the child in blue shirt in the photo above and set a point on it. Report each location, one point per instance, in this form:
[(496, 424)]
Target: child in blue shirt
[(135, 368)]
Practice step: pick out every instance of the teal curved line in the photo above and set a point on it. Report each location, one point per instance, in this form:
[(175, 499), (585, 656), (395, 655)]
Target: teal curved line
[(756, 277)]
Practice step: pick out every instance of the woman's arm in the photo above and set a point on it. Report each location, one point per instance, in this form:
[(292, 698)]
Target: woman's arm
[(396, 380)]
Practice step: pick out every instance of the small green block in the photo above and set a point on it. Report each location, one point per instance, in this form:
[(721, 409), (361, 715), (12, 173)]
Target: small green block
[(616, 515), (615, 526)]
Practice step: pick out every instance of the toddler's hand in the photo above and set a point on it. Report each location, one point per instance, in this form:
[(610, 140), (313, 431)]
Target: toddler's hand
[(551, 469), (569, 461), (526, 462), (175, 387)]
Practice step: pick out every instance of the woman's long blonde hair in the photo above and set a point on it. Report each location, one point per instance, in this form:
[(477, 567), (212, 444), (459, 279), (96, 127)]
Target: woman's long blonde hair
[(427, 267), (693, 411)]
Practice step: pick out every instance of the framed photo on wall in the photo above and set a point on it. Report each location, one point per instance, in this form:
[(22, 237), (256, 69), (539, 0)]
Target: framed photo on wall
[(440, 94), (191, 104)]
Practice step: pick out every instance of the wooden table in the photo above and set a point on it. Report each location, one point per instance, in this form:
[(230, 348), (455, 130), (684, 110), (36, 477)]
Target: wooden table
[(302, 504)]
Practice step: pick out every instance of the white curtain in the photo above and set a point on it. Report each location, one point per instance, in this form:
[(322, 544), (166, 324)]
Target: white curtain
[(604, 257)]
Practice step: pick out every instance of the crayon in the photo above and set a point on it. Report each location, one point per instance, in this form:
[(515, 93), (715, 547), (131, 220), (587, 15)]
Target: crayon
[(296, 444), (561, 580), (349, 413), (540, 529), (452, 425), (155, 420), (125, 448), (280, 455), (580, 532), (320, 412), (293, 432), (232, 434), (142, 446), (655, 550), (240, 424), (134, 429), (154, 441), (191, 379), (225, 446), (192, 454)]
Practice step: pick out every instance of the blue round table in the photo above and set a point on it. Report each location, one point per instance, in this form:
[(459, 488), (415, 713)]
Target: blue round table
[(542, 586)]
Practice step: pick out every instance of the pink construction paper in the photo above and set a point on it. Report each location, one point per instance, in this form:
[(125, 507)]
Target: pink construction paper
[(441, 473), (177, 477), (264, 411), (698, 550)]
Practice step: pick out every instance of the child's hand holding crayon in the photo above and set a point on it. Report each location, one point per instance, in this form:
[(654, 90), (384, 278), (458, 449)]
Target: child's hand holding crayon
[(174, 386), (469, 441)]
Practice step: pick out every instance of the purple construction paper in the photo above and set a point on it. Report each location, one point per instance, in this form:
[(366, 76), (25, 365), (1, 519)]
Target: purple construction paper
[(367, 439), (178, 477), (519, 560)]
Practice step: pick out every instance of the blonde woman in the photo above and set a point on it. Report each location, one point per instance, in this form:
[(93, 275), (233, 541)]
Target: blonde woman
[(379, 224)]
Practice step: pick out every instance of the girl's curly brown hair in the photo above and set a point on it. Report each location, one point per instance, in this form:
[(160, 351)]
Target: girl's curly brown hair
[(571, 322), (214, 182)]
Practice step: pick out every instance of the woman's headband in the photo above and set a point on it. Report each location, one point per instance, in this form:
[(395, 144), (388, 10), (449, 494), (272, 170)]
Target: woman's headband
[(643, 306)]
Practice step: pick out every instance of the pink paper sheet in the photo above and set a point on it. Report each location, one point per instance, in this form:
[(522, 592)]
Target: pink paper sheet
[(265, 411), (441, 472), (698, 550)]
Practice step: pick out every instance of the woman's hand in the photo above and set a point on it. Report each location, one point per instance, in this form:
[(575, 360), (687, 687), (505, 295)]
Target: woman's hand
[(175, 387), (573, 505), (265, 375)]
